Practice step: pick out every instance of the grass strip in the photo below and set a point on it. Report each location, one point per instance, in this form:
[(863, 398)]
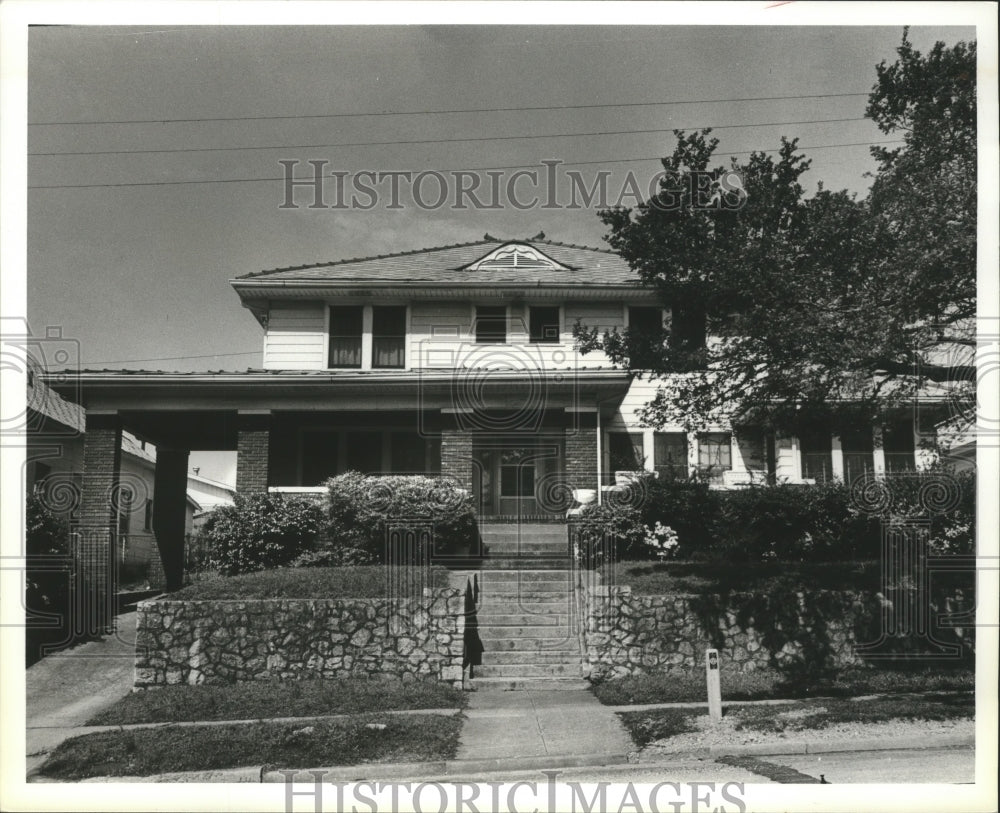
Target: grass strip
[(688, 686), (363, 739), (821, 714), (267, 699), (659, 724), (356, 581), (648, 726)]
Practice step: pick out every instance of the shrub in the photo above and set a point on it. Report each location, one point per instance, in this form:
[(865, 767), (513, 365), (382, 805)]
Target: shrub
[(360, 508), (785, 522), (48, 589), (260, 531), (793, 523), (686, 506)]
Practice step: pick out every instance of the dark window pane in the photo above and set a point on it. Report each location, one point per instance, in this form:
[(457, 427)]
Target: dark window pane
[(545, 325), (517, 480), (858, 459), (750, 440), (645, 328), (714, 455), (815, 447), (670, 454), (388, 336), (345, 336), (687, 327), (364, 452), (408, 452), (625, 451), (898, 443), (319, 457), (491, 324)]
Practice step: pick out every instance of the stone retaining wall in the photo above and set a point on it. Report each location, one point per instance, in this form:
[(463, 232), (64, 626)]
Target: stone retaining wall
[(298, 639), (628, 634)]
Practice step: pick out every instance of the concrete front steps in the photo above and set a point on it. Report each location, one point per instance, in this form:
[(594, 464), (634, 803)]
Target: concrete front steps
[(527, 610)]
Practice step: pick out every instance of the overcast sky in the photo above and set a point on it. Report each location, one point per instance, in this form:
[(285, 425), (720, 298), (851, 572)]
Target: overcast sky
[(139, 274)]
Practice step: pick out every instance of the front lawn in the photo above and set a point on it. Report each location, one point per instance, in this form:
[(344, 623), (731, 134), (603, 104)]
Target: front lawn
[(361, 739), (720, 577), (682, 686), (699, 578), (812, 715), (267, 699), (358, 581)]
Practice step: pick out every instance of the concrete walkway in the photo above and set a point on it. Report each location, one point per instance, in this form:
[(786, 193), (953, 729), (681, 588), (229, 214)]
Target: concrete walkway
[(67, 688), (541, 723)]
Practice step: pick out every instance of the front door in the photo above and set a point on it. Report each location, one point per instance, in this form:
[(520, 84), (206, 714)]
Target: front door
[(511, 477)]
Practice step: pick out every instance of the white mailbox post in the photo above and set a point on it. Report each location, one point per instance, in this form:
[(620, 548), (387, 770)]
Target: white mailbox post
[(714, 688)]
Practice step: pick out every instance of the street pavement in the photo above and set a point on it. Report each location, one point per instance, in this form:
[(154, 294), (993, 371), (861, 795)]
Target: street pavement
[(926, 765)]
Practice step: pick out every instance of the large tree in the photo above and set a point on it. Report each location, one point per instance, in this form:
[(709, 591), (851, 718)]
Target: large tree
[(822, 307)]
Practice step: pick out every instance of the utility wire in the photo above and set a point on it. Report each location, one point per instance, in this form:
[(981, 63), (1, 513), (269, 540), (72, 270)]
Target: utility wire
[(470, 169), (446, 112), (444, 140)]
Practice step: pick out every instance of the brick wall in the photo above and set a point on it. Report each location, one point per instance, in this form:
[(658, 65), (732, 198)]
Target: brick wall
[(456, 456), (94, 541), (581, 456), (252, 446)]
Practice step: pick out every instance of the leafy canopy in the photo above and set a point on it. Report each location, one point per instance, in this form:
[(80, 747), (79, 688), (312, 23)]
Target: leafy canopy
[(817, 308)]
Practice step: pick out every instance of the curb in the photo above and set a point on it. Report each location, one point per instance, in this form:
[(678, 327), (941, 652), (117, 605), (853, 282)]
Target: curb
[(798, 747), (374, 770)]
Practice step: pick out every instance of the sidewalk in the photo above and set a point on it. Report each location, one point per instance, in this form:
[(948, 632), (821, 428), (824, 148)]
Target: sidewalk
[(541, 723), (67, 688)]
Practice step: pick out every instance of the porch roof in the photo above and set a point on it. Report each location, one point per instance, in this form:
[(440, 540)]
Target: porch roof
[(110, 390)]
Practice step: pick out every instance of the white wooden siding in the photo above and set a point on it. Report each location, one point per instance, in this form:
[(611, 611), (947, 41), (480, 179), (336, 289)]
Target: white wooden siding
[(296, 337)]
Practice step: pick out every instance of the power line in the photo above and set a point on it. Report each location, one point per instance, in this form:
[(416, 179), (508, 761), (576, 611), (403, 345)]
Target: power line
[(445, 140), (170, 358), (470, 169), (445, 112)]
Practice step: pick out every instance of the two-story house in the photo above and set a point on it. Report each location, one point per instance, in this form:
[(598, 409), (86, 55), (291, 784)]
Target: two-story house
[(457, 360)]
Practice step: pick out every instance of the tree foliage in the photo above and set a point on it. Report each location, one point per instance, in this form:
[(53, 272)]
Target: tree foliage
[(821, 307)]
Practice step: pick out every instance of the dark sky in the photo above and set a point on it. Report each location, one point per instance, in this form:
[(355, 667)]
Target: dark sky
[(140, 273)]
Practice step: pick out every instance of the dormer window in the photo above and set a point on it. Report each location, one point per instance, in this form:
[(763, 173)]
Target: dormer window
[(345, 336), (491, 324)]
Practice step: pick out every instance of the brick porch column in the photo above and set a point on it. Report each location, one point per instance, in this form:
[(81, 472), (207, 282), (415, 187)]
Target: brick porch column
[(94, 548), (581, 452), (456, 456), (169, 510), (253, 436)]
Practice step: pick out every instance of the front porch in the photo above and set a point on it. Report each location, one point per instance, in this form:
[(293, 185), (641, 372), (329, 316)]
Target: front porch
[(520, 446)]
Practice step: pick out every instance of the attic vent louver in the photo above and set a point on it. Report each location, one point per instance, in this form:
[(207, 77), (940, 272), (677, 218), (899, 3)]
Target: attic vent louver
[(516, 256)]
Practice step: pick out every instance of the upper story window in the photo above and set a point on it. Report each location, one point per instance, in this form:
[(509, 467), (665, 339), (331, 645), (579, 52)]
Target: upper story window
[(544, 325), (388, 336), (645, 325), (687, 328), (491, 324), (345, 336)]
